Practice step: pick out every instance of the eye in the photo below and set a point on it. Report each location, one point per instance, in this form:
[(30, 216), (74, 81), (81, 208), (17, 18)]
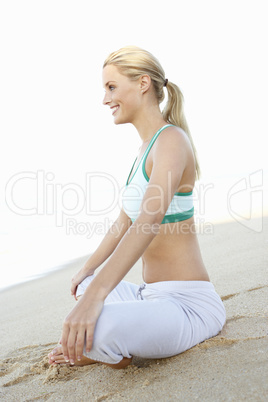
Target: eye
[(111, 87)]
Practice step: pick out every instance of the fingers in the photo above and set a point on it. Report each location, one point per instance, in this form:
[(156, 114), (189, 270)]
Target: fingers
[(64, 340), (78, 330), (71, 345), (80, 342), (69, 342), (89, 337), (84, 338), (73, 291)]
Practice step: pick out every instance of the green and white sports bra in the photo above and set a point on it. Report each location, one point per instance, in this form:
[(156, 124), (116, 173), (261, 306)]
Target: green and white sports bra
[(181, 206)]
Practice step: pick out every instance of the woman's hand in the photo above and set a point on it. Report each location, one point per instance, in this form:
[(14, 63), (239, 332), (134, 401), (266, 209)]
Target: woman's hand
[(77, 279), (78, 328)]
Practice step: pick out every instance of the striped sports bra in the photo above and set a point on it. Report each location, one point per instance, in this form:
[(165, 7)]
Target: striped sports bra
[(181, 206)]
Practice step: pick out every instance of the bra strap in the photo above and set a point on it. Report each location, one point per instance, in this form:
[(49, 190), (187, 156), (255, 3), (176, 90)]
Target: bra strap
[(154, 139)]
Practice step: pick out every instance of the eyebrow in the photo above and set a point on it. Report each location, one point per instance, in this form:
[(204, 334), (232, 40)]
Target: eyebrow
[(108, 82)]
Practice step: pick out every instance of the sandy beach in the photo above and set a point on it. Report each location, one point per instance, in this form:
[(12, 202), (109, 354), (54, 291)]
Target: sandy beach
[(232, 366)]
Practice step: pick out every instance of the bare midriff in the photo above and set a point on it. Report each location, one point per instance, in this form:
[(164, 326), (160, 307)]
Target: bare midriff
[(174, 255)]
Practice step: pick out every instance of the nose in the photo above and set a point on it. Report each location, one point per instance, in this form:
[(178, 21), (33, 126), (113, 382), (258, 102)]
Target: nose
[(106, 99)]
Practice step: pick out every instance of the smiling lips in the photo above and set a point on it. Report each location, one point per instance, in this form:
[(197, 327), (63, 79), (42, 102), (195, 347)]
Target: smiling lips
[(114, 109)]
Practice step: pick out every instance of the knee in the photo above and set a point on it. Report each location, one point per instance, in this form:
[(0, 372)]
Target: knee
[(106, 331), (108, 340)]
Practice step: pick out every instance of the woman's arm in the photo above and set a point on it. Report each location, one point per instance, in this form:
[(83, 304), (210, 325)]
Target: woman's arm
[(104, 250), (169, 161)]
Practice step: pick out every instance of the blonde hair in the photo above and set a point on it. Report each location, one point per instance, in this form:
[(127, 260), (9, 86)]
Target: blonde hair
[(134, 62)]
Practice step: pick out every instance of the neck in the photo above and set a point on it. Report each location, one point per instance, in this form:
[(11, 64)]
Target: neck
[(149, 123)]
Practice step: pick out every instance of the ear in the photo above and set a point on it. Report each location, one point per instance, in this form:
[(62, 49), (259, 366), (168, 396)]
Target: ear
[(145, 83)]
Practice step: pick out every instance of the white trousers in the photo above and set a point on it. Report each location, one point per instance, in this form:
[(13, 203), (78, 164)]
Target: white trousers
[(155, 320)]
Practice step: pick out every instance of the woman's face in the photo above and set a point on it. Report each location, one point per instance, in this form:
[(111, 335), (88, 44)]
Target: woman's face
[(122, 95)]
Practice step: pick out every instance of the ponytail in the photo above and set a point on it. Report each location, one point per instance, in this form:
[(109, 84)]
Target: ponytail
[(173, 113)]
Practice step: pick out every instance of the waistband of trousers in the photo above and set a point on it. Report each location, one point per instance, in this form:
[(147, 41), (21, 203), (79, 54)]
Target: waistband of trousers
[(178, 285)]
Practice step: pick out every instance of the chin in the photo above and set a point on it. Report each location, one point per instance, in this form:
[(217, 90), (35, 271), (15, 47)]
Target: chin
[(118, 121)]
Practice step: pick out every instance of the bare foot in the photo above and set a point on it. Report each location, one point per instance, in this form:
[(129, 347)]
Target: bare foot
[(56, 357)]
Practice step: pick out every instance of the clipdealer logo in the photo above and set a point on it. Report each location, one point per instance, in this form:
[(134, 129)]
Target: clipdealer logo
[(68, 202), (249, 192)]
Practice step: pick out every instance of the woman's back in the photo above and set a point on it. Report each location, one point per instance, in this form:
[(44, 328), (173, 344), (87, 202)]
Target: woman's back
[(174, 253)]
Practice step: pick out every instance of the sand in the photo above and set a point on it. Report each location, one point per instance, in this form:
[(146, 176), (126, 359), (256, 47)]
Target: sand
[(230, 367)]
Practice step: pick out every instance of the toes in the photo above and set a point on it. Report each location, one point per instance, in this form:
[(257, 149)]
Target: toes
[(55, 357), (55, 352), (53, 361), (62, 361)]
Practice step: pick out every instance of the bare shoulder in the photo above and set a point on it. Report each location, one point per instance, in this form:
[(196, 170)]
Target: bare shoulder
[(172, 153), (173, 139)]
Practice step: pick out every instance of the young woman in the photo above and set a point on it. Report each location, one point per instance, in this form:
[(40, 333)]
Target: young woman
[(176, 307)]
